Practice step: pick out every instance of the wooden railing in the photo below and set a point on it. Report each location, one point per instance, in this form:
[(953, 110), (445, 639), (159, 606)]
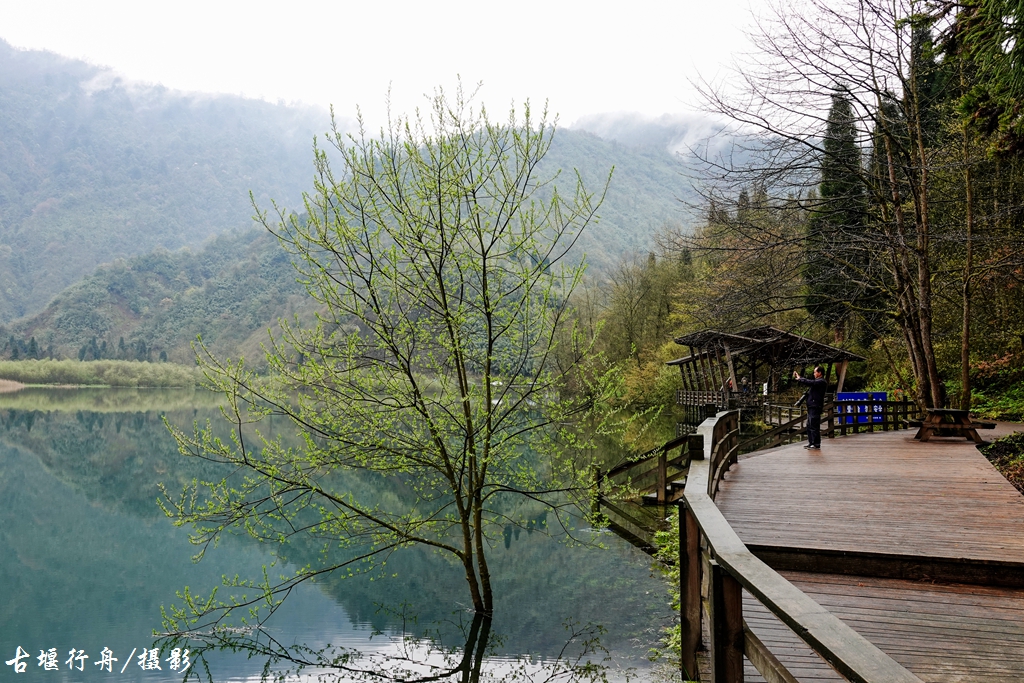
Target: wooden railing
[(654, 471), (693, 407), (838, 418), (852, 417), (712, 554), (656, 477), (701, 398)]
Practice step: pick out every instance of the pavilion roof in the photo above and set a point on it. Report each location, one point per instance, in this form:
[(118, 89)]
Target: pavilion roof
[(767, 344)]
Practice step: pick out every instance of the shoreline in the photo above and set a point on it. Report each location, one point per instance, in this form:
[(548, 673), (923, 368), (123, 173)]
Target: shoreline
[(9, 386)]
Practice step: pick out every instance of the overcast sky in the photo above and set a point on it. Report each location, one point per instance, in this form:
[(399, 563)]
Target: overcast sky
[(584, 57)]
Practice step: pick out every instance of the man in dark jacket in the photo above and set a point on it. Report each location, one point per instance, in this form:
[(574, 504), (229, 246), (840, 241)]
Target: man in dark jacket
[(815, 404)]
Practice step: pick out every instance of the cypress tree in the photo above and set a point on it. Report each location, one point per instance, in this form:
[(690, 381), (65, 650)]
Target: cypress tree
[(836, 249)]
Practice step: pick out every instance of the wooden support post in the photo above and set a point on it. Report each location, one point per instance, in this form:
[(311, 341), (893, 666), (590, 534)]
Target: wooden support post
[(708, 374), (732, 368), (722, 380), (871, 412), (689, 591), (688, 382), (695, 446), (662, 477), (842, 375), (698, 369), (726, 627)]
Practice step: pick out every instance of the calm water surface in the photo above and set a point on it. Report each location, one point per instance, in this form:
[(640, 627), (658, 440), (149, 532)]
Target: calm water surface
[(87, 559)]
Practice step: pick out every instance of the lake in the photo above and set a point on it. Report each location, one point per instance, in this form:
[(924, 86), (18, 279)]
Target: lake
[(88, 559)]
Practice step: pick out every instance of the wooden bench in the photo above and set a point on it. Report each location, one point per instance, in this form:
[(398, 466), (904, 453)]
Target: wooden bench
[(948, 422)]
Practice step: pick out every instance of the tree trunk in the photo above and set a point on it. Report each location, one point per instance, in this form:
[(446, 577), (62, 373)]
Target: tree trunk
[(965, 333)]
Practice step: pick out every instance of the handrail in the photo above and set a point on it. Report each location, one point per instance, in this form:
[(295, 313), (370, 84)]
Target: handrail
[(842, 417), (640, 459), (847, 651)]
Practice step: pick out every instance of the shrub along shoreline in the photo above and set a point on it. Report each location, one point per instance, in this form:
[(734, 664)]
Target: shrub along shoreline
[(99, 373)]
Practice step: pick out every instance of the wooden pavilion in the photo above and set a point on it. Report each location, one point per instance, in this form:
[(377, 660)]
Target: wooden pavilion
[(746, 367)]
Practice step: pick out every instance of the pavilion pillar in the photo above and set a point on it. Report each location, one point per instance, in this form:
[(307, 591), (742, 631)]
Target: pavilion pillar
[(698, 371), (705, 366), (842, 375), (732, 368), (720, 366), (692, 373)]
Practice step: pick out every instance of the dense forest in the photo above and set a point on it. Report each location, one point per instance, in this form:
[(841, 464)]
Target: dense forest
[(879, 206)]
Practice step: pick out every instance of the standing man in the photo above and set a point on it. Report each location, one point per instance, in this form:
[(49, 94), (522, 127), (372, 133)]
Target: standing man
[(815, 404)]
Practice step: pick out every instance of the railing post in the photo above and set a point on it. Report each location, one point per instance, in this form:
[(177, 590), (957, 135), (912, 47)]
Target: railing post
[(871, 412), (662, 476), (695, 446), (832, 420), (726, 627), (689, 592)]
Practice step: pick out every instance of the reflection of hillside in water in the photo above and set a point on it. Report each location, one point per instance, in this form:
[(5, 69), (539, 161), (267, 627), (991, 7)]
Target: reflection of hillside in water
[(108, 400), (86, 540)]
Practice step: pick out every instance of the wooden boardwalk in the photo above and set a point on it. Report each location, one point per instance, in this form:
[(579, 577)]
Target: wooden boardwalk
[(924, 544)]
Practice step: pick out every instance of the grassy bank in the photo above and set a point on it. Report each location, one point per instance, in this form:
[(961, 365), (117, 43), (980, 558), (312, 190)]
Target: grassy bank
[(104, 373)]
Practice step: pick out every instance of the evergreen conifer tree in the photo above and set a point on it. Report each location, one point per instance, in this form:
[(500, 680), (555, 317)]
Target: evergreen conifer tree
[(836, 253)]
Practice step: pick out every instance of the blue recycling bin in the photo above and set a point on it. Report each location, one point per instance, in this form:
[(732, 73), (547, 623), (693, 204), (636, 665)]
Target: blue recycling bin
[(858, 412)]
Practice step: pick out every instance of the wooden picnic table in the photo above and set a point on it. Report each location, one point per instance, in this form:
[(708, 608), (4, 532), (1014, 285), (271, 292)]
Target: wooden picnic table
[(948, 422)]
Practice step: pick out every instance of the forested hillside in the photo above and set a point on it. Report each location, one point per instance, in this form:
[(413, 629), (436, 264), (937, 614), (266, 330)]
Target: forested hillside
[(92, 169), (236, 286), (644, 196), (151, 307), (95, 171)]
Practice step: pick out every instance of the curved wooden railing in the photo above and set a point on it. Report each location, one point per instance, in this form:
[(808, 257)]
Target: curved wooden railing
[(712, 553)]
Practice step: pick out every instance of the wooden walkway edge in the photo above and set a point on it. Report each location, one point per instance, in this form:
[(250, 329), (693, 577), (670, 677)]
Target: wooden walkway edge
[(919, 547)]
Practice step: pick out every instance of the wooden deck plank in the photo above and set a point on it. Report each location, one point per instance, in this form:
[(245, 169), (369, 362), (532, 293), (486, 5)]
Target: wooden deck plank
[(952, 633), (881, 492), (886, 493), (940, 632)]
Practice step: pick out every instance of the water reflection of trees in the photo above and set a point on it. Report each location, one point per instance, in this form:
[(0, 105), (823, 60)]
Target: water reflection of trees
[(468, 658), (116, 460)]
